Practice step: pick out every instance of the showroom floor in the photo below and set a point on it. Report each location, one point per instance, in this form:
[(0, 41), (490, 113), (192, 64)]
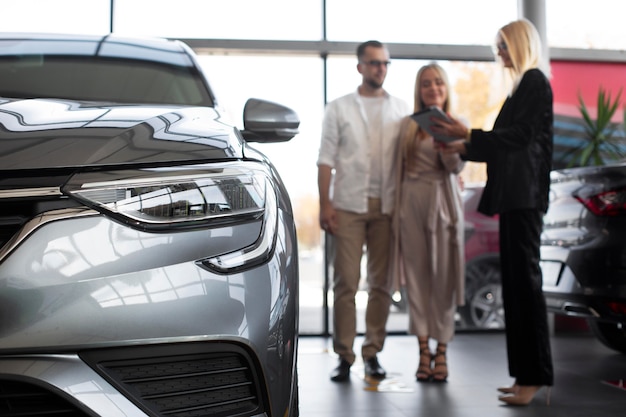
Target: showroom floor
[(588, 380)]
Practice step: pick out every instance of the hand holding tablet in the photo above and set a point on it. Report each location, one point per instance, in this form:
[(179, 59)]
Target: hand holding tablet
[(427, 118)]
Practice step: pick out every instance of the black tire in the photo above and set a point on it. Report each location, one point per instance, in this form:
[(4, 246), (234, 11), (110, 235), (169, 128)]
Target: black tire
[(483, 309), (612, 335)]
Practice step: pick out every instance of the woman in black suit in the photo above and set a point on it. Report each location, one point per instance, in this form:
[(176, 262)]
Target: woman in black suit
[(518, 153)]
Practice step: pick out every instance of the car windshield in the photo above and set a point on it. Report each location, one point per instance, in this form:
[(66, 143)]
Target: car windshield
[(101, 79)]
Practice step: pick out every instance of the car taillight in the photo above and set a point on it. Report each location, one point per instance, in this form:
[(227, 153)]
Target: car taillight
[(605, 203), (617, 307)]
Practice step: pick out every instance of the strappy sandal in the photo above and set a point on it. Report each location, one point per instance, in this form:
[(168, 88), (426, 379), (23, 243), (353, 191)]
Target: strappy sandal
[(424, 372), (440, 369)]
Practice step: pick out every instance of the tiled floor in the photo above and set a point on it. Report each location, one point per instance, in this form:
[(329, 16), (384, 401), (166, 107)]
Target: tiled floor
[(586, 379)]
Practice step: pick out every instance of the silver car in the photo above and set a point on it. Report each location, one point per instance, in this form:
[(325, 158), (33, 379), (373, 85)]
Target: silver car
[(148, 254)]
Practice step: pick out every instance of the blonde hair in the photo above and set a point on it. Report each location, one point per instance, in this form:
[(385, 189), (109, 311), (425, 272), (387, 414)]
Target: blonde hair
[(412, 132), (524, 47)]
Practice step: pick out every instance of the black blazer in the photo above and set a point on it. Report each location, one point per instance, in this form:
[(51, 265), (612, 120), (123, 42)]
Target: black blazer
[(518, 151)]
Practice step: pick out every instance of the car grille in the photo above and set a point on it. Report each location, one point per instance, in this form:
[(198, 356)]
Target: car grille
[(184, 380), (10, 223), (25, 400), (16, 211)]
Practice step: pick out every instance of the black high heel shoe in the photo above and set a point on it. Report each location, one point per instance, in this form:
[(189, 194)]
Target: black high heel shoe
[(440, 368), (424, 372)]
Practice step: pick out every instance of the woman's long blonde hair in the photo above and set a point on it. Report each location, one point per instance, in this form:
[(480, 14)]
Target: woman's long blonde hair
[(524, 47), (412, 132)]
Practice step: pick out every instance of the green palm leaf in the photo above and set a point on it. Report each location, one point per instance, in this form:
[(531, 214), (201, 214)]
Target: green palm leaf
[(601, 140)]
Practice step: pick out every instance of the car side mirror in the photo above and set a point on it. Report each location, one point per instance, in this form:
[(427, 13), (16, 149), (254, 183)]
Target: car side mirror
[(264, 121)]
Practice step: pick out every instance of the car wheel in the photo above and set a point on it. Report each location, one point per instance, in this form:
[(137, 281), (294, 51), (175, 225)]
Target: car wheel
[(483, 307), (612, 335)]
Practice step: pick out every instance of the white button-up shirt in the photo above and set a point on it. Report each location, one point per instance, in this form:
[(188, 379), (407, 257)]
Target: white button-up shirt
[(345, 146)]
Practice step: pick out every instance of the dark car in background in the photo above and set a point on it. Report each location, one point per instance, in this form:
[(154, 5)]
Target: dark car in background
[(148, 253), (483, 307), (583, 249)]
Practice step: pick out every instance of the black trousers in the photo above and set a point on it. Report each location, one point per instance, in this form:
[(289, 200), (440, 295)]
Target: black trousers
[(527, 334)]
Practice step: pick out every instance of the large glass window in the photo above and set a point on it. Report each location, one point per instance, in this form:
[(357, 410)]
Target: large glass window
[(577, 24), (56, 16), (423, 22), (585, 24), (292, 81), (221, 19)]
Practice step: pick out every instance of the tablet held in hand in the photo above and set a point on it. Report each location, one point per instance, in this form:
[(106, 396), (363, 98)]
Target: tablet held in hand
[(427, 118)]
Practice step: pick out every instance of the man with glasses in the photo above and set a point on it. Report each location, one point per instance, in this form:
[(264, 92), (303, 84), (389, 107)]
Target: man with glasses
[(356, 187)]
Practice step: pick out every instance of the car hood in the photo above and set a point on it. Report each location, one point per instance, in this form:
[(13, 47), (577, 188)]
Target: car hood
[(46, 133)]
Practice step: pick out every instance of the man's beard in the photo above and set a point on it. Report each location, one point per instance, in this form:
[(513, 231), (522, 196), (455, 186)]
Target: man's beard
[(374, 84)]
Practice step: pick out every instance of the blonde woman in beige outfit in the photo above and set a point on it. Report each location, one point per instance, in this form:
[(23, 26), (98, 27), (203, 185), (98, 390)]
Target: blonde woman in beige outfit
[(428, 229)]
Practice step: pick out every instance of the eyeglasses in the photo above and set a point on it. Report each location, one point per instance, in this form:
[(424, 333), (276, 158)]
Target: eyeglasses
[(501, 46), (376, 63)]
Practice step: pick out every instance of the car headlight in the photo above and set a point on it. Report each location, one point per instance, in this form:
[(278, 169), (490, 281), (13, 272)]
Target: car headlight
[(187, 198)]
